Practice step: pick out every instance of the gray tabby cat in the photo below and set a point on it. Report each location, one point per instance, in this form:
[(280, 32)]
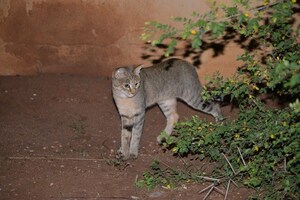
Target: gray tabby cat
[(135, 89)]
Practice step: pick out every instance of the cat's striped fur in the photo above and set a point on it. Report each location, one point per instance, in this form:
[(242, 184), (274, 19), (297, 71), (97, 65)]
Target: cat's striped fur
[(135, 89)]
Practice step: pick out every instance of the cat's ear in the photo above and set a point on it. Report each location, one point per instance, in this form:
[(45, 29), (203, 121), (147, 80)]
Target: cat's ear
[(120, 73), (137, 70)]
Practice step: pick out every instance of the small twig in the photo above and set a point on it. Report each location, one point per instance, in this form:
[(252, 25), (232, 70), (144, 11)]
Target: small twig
[(53, 158), (208, 193), (227, 189), (104, 145), (244, 163), (211, 185), (273, 178), (234, 183), (284, 164), (185, 163), (219, 190), (209, 179), (229, 163)]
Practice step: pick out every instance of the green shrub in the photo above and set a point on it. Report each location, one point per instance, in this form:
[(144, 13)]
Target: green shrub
[(267, 139)]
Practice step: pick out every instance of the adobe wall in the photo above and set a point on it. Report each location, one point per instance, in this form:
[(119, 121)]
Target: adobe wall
[(91, 36)]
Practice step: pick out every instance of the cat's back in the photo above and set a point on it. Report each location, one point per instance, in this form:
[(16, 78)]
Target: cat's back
[(170, 71), (168, 79)]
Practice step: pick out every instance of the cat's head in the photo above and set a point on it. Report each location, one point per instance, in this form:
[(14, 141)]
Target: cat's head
[(126, 81)]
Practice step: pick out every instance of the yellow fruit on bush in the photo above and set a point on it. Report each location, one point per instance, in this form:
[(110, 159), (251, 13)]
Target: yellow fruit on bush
[(193, 32), (272, 136)]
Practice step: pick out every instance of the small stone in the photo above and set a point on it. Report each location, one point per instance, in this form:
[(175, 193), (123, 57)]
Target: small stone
[(51, 184)]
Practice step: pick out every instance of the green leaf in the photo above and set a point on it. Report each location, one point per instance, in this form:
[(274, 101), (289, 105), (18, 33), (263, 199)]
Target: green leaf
[(196, 42)]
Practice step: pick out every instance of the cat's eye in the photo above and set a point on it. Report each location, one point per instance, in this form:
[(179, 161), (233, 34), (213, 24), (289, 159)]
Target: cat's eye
[(127, 85), (137, 85)]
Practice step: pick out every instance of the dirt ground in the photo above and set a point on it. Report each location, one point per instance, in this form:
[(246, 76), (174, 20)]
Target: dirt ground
[(59, 135)]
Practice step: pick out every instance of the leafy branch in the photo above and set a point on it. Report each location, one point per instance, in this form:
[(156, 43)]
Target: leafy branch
[(262, 146)]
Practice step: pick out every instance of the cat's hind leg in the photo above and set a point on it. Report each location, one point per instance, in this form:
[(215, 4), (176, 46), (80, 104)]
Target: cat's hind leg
[(168, 107)]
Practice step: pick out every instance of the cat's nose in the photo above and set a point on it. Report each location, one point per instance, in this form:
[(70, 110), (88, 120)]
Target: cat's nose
[(132, 90)]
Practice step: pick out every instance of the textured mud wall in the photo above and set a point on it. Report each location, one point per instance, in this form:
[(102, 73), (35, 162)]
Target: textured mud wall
[(88, 36)]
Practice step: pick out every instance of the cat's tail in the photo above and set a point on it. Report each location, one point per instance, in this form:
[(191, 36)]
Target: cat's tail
[(210, 107)]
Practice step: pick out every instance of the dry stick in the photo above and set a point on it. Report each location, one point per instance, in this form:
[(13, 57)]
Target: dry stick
[(209, 179), (227, 189), (183, 160), (212, 185), (211, 188), (53, 158), (219, 190), (244, 163), (234, 183), (208, 193), (229, 163), (284, 164)]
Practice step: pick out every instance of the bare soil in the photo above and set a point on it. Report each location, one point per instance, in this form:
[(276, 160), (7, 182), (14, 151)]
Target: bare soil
[(59, 135)]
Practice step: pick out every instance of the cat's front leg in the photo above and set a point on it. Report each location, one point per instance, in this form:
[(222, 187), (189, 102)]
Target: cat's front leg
[(136, 134), (126, 133)]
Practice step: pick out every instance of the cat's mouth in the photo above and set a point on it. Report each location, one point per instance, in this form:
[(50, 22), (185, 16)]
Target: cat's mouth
[(130, 95)]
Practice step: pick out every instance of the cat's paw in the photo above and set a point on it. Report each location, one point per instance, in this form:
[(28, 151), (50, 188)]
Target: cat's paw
[(160, 139), (121, 155), (133, 156)]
